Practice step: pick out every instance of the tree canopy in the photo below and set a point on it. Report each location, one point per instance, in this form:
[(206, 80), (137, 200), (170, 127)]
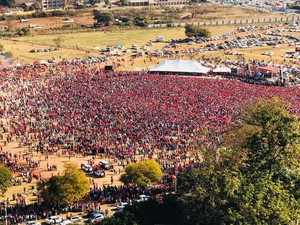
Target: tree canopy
[(66, 189), (102, 18), (8, 3), (5, 180), (148, 213), (142, 173), (196, 31), (253, 180)]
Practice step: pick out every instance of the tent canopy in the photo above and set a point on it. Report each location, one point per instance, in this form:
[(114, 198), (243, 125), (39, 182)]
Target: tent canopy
[(180, 66), (269, 68), (17, 65), (222, 69)]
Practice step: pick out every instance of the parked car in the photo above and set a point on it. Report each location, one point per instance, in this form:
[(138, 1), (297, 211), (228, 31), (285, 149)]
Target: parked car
[(122, 205), (105, 165), (86, 167), (99, 173), (65, 222), (53, 220), (96, 218), (142, 198), (94, 212), (32, 223), (75, 219)]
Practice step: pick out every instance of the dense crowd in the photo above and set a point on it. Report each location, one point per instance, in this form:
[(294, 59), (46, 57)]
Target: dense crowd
[(121, 115), (112, 194)]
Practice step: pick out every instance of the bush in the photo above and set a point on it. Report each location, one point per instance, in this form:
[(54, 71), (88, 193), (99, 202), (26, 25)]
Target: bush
[(7, 34)]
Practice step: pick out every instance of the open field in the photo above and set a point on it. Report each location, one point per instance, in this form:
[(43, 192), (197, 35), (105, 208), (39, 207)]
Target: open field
[(88, 40), (81, 44), (204, 12)]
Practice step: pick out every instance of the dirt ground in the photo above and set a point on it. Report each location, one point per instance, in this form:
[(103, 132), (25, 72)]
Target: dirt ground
[(50, 22), (58, 160)]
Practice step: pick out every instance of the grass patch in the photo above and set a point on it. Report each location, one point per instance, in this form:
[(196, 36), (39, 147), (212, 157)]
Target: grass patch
[(86, 41)]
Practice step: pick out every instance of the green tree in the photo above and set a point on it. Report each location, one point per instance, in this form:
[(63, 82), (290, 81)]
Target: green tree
[(120, 218), (102, 18), (142, 173), (8, 3), (6, 177), (254, 179), (1, 47), (92, 2), (66, 189), (196, 31), (148, 213), (23, 31), (123, 2)]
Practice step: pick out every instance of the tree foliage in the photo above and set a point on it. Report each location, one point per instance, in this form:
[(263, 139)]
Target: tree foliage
[(8, 3), (148, 213), (23, 31), (123, 2), (66, 189), (142, 173), (92, 2), (5, 180), (102, 18), (196, 31), (252, 181)]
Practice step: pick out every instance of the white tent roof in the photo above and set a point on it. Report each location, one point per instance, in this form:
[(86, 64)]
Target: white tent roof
[(180, 66), (222, 70), (18, 65)]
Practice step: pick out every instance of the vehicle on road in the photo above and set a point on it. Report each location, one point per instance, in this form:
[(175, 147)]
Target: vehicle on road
[(65, 222), (53, 220), (96, 218), (32, 223), (94, 212), (75, 219), (142, 198), (122, 205)]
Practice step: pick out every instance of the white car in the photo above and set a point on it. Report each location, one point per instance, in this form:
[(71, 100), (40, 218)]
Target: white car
[(96, 218), (86, 167), (142, 198), (65, 222), (53, 220), (32, 223), (75, 219), (99, 173), (122, 205)]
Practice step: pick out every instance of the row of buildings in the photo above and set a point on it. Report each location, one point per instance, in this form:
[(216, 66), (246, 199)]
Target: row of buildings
[(60, 4)]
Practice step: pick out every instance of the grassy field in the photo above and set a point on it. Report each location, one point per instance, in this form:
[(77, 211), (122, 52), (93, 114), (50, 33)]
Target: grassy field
[(88, 40), (80, 45)]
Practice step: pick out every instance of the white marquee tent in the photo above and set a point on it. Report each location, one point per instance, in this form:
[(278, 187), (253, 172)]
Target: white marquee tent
[(179, 66), (222, 70)]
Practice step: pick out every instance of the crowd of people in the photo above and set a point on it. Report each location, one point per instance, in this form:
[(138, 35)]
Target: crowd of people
[(122, 115), (112, 194)]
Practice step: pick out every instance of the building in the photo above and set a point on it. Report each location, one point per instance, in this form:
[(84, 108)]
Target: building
[(53, 4), (157, 2)]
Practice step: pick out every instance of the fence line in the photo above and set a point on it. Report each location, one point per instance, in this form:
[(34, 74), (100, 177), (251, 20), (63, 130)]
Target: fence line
[(228, 22)]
